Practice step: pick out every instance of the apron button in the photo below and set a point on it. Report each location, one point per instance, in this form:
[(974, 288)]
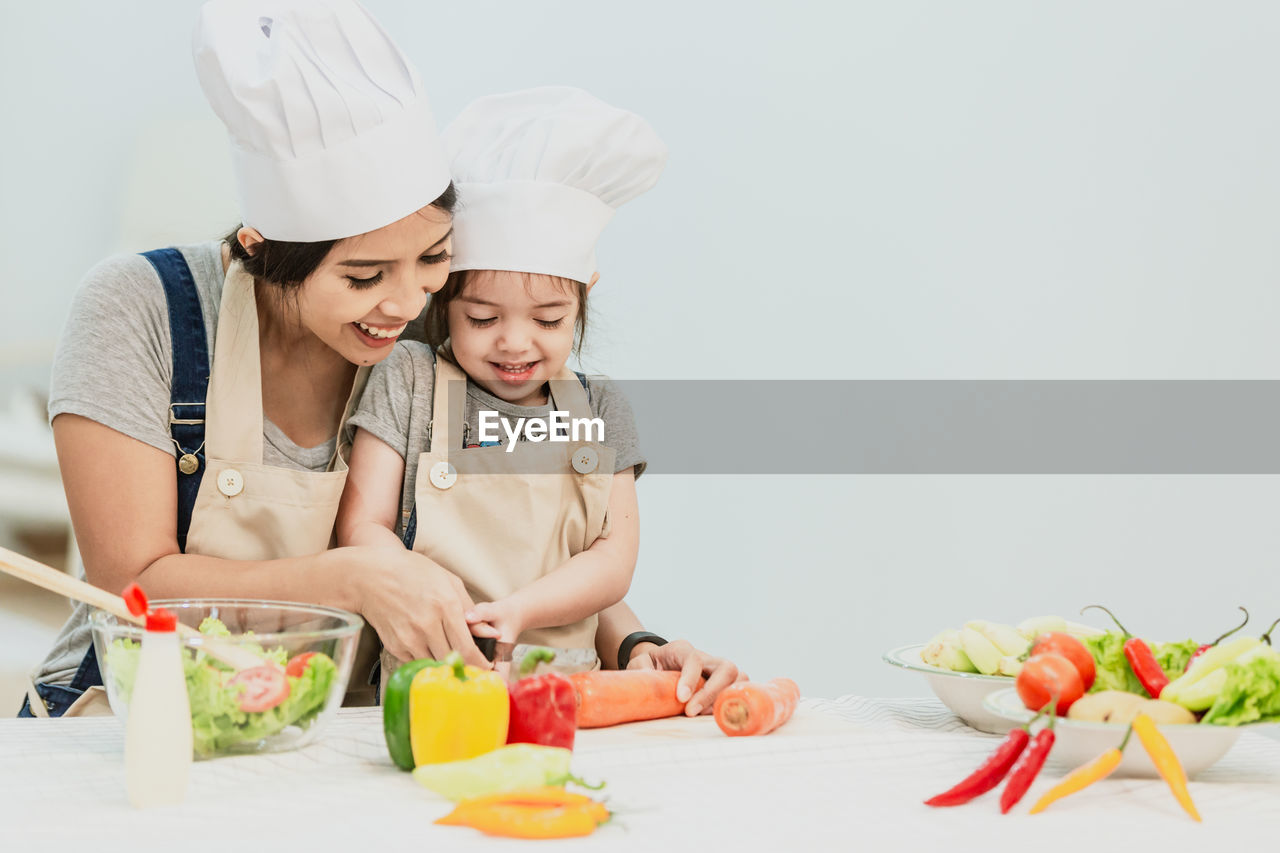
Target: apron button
[(230, 483), (443, 475), (585, 460)]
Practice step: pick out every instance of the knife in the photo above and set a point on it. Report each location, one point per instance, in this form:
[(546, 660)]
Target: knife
[(494, 651)]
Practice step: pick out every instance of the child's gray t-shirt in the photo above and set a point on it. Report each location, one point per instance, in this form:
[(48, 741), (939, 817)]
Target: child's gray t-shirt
[(397, 403)]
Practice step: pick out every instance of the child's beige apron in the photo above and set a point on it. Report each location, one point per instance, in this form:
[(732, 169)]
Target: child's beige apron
[(501, 520), (246, 510)]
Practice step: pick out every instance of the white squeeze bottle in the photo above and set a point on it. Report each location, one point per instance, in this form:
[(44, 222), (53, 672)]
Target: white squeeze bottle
[(157, 744)]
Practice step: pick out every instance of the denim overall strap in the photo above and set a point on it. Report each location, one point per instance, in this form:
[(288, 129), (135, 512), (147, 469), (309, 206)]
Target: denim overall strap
[(186, 426), (190, 375), (411, 529)]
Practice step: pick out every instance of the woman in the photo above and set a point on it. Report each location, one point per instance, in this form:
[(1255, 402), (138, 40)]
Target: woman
[(242, 358)]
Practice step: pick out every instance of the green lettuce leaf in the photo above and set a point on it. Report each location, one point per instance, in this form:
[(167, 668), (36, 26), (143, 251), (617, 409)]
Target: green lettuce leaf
[(1114, 672), (1173, 657), (214, 627), (1251, 694)]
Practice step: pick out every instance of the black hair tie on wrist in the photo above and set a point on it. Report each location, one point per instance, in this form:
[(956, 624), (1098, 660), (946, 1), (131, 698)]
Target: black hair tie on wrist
[(633, 640)]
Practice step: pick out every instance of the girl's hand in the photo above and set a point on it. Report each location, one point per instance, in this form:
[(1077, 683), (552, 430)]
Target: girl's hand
[(692, 664), (499, 619), (414, 604)]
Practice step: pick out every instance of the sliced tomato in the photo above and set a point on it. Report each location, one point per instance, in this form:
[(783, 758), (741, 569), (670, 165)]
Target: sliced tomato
[(263, 687), (298, 664)]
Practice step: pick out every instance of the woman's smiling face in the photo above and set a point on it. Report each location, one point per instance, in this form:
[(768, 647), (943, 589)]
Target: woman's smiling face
[(369, 287), (511, 332)]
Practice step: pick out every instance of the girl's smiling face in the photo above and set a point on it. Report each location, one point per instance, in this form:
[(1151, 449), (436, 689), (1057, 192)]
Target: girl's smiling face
[(512, 331)]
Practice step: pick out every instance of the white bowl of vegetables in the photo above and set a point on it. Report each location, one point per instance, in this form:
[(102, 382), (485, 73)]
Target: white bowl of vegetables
[(1202, 709), (965, 665), (306, 654)]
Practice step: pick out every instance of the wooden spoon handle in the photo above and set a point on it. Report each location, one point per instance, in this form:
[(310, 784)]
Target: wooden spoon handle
[(63, 584), (60, 582)]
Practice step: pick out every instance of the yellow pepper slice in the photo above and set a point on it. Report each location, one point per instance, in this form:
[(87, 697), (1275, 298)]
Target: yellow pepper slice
[(1166, 761), (1082, 777), (456, 712), (534, 813)]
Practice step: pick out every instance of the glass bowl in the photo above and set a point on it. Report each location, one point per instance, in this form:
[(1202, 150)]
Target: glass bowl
[(225, 717), (962, 692)]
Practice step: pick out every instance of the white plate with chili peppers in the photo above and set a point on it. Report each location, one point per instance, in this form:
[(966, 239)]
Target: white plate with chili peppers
[(1197, 745), (962, 692)]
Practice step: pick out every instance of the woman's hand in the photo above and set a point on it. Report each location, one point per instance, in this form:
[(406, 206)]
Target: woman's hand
[(692, 664), (416, 605)]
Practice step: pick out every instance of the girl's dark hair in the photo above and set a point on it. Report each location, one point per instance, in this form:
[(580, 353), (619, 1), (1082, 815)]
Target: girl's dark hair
[(287, 264), (437, 319)]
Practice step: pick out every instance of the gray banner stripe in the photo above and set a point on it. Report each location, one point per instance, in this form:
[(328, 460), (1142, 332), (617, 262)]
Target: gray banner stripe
[(958, 427)]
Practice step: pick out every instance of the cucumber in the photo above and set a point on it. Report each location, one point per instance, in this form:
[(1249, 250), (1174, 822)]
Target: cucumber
[(395, 711)]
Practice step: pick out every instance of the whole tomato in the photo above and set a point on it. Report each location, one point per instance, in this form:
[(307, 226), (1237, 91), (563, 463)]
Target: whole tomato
[(1047, 675), (1061, 643)]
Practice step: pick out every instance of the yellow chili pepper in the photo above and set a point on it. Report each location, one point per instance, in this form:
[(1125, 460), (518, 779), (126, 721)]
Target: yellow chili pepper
[(535, 813), (1166, 761), (456, 712), (1083, 777)]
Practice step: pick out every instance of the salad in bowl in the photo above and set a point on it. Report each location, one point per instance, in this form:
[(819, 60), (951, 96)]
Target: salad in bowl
[(302, 656)]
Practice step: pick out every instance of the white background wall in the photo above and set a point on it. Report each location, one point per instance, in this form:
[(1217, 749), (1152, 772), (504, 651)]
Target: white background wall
[(855, 190)]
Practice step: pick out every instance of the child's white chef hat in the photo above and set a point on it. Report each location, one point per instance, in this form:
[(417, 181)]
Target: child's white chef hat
[(331, 132), (539, 173)]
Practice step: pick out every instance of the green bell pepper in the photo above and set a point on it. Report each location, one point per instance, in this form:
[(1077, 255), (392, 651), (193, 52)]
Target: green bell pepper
[(395, 711)]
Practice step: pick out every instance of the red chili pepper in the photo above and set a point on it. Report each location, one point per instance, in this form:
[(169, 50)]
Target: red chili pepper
[(1140, 657), (544, 708), (989, 774), (1028, 767), (1208, 646), (1144, 665)]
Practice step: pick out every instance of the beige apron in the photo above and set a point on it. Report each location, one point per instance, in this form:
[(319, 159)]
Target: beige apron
[(246, 510), (501, 520)]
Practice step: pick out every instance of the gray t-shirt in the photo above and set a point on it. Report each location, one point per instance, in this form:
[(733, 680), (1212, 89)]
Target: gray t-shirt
[(397, 403), (113, 365), (114, 361)]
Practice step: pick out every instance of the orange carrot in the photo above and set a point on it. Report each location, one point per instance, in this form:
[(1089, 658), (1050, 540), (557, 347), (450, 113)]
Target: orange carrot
[(610, 697), (753, 708)]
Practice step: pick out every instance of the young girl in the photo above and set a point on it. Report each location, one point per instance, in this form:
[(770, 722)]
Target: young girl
[(456, 450)]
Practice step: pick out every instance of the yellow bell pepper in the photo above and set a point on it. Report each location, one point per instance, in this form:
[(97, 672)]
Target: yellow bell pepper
[(456, 712)]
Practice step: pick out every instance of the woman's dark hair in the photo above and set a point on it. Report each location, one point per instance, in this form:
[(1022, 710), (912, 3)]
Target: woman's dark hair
[(437, 320), (288, 264)]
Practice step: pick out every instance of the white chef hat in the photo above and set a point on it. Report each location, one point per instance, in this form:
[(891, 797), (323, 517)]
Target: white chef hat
[(331, 132), (539, 173)]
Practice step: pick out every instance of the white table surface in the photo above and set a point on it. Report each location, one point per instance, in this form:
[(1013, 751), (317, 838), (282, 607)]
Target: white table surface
[(843, 774)]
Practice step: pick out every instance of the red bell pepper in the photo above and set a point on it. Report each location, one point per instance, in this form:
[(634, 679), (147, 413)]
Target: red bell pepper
[(544, 708)]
